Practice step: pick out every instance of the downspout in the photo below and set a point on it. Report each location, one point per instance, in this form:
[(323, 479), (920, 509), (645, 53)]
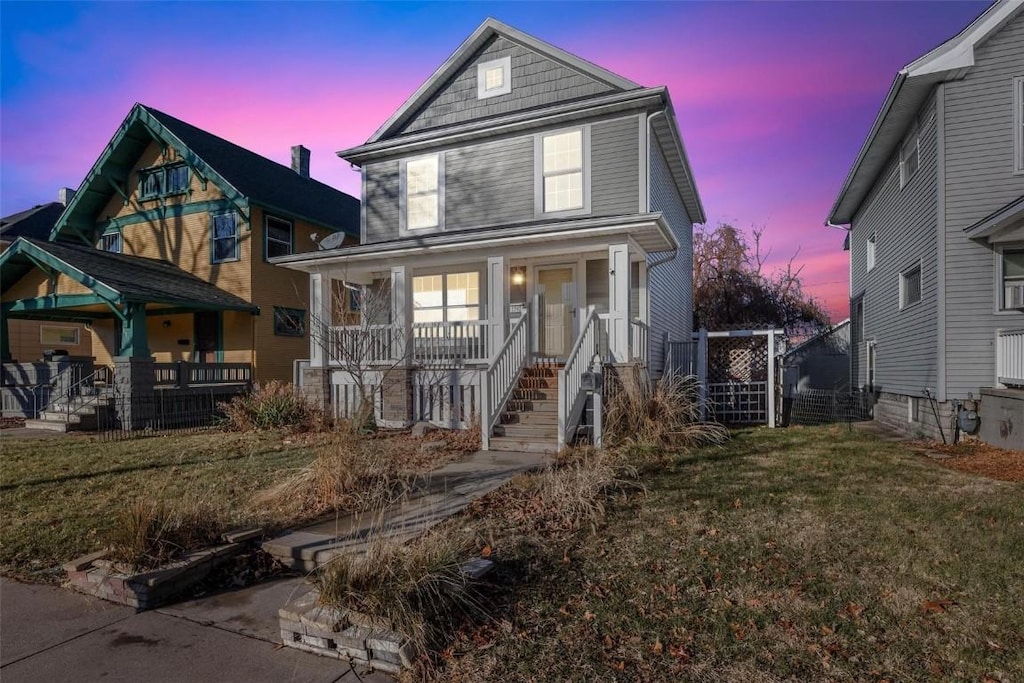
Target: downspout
[(647, 177)]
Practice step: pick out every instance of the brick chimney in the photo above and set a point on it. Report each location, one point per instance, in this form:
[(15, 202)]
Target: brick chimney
[(300, 160), (65, 195)]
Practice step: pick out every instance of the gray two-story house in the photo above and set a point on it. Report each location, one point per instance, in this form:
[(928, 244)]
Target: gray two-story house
[(527, 218), (935, 208)]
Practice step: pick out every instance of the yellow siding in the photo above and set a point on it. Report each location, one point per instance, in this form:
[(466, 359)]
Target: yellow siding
[(104, 342), (35, 283), (26, 344)]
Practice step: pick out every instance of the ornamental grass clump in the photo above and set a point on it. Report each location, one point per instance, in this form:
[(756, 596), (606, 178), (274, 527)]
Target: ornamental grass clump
[(272, 405), (150, 533)]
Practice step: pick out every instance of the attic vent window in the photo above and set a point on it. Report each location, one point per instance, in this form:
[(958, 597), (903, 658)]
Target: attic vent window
[(494, 78), (162, 181)]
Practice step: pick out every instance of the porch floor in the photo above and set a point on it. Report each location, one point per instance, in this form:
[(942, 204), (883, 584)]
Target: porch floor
[(439, 495)]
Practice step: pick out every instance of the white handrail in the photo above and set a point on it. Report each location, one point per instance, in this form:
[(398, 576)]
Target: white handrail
[(503, 373), (638, 340), (570, 376)]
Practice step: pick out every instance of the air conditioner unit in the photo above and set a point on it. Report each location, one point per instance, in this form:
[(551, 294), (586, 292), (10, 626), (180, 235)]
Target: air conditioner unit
[(1013, 296)]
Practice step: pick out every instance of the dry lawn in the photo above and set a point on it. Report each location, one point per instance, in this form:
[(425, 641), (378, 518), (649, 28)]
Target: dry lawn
[(805, 554)]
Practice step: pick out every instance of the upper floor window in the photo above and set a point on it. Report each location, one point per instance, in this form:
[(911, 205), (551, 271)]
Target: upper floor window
[(163, 180), (278, 235), (224, 236), (563, 186), (422, 192), (1012, 279), (289, 322), (111, 242), (494, 78), (910, 286), (910, 156), (872, 242), (1018, 124)]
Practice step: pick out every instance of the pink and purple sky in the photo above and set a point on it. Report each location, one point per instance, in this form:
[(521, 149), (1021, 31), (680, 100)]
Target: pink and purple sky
[(773, 98)]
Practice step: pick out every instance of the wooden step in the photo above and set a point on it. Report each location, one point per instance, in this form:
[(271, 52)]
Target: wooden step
[(545, 405), (504, 443), (49, 425), (528, 431), (534, 394), (528, 417)]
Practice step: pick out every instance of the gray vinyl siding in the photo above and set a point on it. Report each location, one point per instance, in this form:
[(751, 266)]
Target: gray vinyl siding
[(381, 202), (614, 167), (536, 81), (670, 285), (979, 180), (906, 227), (489, 184)]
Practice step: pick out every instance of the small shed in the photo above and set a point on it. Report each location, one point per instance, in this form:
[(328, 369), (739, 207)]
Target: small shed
[(820, 363)]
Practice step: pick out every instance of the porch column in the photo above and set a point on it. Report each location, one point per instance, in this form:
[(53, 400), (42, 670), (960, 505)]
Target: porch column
[(618, 302), (497, 302), (319, 319), (5, 338), (401, 314), (134, 341)]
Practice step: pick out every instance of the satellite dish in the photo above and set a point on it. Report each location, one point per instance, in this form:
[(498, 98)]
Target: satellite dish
[(332, 241)]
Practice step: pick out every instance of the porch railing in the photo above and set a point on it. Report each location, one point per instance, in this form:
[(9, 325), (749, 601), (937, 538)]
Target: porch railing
[(361, 344), (1010, 357), (441, 343), (638, 340), (570, 376), (503, 373), (183, 374)]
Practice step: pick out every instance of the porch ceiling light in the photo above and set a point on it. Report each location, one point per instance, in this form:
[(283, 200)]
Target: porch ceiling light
[(518, 277)]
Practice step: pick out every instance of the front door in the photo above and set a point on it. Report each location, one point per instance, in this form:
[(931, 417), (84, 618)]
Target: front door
[(556, 287), (207, 336)]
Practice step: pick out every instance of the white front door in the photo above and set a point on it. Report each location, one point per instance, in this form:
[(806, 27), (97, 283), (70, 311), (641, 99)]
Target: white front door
[(556, 287)]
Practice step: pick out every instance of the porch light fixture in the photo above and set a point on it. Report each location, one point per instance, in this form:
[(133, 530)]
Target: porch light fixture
[(166, 323), (518, 276)]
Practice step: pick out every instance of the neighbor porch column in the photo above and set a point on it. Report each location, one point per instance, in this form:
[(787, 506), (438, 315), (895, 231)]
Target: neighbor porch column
[(618, 302), (319, 319), (497, 302)]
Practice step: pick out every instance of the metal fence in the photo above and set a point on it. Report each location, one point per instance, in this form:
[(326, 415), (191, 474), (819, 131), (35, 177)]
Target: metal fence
[(162, 413), (827, 406)]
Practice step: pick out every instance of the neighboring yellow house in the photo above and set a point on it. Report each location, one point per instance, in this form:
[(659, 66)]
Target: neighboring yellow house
[(163, 252)]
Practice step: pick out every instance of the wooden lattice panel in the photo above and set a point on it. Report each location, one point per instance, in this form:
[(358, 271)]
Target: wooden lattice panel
[(738, 359)]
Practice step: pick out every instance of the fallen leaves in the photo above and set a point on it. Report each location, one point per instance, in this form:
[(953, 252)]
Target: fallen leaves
[(936, 606)]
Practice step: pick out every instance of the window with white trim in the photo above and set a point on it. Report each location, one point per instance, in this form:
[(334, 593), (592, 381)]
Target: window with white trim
[(562, 171), (112, 242), (872, 243), (494, 78), (1018, 124), (910, 286), (51, 335), (910, 156), (446, 297), (224, 236), (279, 237), (423, 193), (1011, 277)]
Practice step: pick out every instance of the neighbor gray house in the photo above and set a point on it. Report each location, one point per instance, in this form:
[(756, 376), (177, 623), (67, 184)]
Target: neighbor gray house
[(935, 208), (527, 218)]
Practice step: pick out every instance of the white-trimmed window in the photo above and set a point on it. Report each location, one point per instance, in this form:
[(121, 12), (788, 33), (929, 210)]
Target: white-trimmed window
[(494, 78), (563, 185), (872, 244), (1011, 279), (112, 242), (910, 286), (279, 237), (422, 192), (1018, 124), (910, 156), (446, 297), (54, 335)]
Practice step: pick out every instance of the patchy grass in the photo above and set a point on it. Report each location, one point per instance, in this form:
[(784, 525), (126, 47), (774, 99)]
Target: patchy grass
[(65, 497), (805, 554)]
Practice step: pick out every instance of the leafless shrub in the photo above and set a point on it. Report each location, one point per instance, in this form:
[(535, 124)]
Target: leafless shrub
[(272, 405)]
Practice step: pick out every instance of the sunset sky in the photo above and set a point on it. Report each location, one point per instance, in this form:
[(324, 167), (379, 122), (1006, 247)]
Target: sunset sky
[(773, 99)]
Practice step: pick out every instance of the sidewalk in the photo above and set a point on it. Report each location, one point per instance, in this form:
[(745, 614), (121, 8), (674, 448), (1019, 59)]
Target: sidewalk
[(51, 634), (439, 495)]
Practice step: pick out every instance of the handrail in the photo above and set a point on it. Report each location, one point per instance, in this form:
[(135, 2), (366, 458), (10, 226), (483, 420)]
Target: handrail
[(570, 376), (503, 373), (639, 331), (75, 391)]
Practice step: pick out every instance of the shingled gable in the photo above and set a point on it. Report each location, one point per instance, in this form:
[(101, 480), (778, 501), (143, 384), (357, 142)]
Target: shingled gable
[(455, 79), (35, 222), (243, 176)]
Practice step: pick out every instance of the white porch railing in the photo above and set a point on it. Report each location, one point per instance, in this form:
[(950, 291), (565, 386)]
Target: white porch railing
[(446, 397), (503, 373), (1010, 357), (442, 343), (361, 344), (570, 376), (638, 340)]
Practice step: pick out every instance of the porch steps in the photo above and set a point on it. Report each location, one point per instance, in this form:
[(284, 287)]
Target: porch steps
[(78, 414), (530, 420)]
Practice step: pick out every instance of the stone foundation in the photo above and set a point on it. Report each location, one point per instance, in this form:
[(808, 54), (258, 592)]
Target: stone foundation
[(896, 412), (396, 395), (316, 387)]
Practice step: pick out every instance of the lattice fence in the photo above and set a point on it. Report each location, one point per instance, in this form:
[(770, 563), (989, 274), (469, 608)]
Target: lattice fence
[(737, 383)]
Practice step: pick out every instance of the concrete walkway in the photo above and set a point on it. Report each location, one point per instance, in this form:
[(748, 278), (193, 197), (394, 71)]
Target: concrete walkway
[(52, 634), (437, 496)]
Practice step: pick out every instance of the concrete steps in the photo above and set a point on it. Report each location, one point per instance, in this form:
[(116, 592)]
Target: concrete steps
[(81, 413)]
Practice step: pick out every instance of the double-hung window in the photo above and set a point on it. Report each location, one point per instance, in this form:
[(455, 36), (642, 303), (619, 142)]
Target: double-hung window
[(422, 197), (112, 242), (562, 172), (1018, 124), (910, 286), (225, 238), (278, 234), (872, 244), (910, 156), (447, 297), (176, 178), (1012, 276), (151, 183)]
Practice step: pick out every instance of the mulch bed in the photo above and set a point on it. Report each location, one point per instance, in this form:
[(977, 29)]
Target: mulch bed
[(11, 422), (976, 457)]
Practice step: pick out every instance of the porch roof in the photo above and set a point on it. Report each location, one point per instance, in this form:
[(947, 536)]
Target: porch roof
[(647, 232), (1005, 224), (116, 278)]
